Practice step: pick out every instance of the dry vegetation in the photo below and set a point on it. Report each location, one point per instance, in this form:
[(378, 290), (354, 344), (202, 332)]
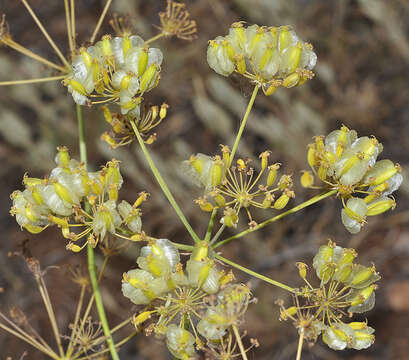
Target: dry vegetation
[(361, 81)]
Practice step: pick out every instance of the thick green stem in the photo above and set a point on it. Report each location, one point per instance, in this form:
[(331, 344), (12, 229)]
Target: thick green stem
[(309, 202), (91, 257), (243, 122), (163, 185), (255, 274)]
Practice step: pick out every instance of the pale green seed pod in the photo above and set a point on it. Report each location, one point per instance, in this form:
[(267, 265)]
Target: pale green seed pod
[(363, 276), (131, 216), (204, 275), (210, 331), (160, 258), (381, 205), (338, 336), (354, 215), (149, 78), (62, 158), (324, 256), (380, 172), (180, 342), (141, 287), (218, 56), (364, 337), (339, 140), (362, 300), (106, 219)]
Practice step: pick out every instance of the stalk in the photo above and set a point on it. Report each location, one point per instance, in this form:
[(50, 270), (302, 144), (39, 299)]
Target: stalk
[(255, 274), (163, 185), (243, 123), (303, 205), (90, 249)]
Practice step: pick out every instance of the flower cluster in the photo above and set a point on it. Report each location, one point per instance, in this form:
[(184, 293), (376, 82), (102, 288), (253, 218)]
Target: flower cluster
[(345, 287), (176, 21), (237, 187), (119, 69), (122, 134), (269, 56), (183, 302), (349, 164), (72, 197)]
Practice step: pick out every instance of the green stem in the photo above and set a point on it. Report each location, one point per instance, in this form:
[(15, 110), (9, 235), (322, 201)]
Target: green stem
[(309, 202), (219, 232), (81, 135), (183, 246), (255, 274), (91, 257), (243, 123), (163, 185), (210, 226), (99, 303)]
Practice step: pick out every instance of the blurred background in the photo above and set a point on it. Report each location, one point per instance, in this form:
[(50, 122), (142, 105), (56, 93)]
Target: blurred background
[(361, 81)]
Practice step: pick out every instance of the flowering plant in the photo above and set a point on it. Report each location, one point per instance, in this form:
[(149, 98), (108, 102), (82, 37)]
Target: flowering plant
[(185, 292)]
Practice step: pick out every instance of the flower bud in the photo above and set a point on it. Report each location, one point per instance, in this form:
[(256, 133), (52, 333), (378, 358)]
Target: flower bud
[(272, 174), (285, 313), (200, 252), (219, 199), (62, 158), (204, 204), (163, 111), (264, 159), (307, 179), (141, 318), (302, 269), (282, 201), (268, 200), (216, 173), (311, 155), (230, 218)]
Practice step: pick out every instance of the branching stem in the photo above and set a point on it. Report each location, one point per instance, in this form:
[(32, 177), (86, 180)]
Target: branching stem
[(163, 185), (255, 274), (243, 123), (90, 249), (305, 204)]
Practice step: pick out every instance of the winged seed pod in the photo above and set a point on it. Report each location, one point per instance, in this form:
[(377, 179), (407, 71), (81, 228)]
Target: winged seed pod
[(270, 56), (348, 163), (345, 288), (200, 293), (119, 69), (238, 187), (180, 342), (60, 200)]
